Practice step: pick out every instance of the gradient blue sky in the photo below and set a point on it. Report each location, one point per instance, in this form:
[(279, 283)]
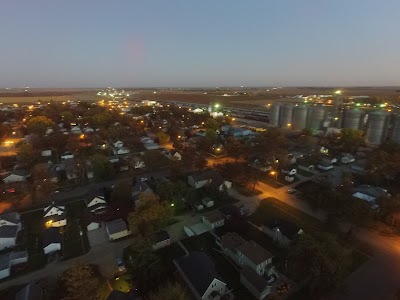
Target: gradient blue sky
[(95, 43)]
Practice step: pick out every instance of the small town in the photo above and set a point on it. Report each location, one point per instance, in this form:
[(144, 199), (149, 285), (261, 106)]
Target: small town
[(139, 197)]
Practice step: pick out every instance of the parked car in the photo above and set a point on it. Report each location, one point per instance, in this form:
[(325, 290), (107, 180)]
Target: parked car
[(291, 191), (120, 264)]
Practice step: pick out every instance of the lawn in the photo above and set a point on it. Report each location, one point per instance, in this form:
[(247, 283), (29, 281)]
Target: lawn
[(121, 283), (271, 182), (226, 269)]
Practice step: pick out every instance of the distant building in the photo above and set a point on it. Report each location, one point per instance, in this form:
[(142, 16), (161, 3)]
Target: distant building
[(117, 229)]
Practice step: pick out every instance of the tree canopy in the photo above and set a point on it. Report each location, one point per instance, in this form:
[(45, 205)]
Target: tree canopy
[(163, 137), (169, 291), (102, 168), (38, 125), (81, 282)]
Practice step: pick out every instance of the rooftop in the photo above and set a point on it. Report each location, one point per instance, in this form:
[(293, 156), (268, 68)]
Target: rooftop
[(254, 252), (51, 235), (116, 226), (214, 216), (160, 236)]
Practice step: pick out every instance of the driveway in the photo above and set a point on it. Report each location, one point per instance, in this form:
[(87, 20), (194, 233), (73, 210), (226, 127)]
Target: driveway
[(97, 236)]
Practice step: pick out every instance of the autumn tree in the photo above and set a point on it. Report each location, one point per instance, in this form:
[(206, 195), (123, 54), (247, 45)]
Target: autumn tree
[(81, 282), (150, 214), (169, 291), (351, 139), (25, 153), (200, 162), (173, 192), (163, 137), (38, 125)]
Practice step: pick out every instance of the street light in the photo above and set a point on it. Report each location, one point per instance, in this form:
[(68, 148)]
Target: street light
[(338, 92), (217, 105)]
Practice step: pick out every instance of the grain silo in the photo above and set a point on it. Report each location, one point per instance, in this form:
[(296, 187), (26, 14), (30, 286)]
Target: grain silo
[(300, 114), (376, 127), (353, 118), (317, 116), (395, 136), (286, 118), (275, 113)]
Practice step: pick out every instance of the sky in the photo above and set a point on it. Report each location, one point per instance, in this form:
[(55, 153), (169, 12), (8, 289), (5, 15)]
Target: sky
[(192, 43)]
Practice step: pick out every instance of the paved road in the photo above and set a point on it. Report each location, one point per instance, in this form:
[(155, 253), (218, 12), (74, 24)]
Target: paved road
[(378, 279), (103, 255)]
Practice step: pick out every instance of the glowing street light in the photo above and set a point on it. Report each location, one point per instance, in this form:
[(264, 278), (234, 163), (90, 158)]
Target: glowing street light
[(338, 92), (217, 105)]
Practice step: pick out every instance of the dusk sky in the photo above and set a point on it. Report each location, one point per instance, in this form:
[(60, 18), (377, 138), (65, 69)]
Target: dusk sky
[(147, 43)]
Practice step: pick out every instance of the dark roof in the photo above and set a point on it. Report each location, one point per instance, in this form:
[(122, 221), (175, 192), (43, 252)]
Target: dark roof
[(160, 236), (229, 210), (213, 216), (19, 173), (232, 240), (199, 269), (118, 295), (115, 226), (288, 229), (207, 175), (51, 235), (31, 291), (8, 231), (257, 281), (254, 252), (13, 217)]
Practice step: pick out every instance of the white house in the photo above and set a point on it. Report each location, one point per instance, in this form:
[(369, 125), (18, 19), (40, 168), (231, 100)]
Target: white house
[(118, 144), (10, 225), (10, 259), (325, 165), (213, 219), (16, 176), (52, 240), (208, 178), (117, 229), (46, 153), (150, 146), (198, 272), (160, 239), (207, 202), (290, 171), (67, 155), (347, 158), (55, 216), (76, 130), (88, 130), (138, 163), (173, 155), (97, 205), (121, 151)]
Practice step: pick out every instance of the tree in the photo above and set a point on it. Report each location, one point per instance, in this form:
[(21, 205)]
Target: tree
[(319, 260), (25, 153), (152, 158), (81, 282), (122, 192), (67, 115), (102, 168), (38, 125), (211, 136), (169, 291), (351, 139), (150, 214), (163, 138), (173, 192), (200, 162), (143, 263)]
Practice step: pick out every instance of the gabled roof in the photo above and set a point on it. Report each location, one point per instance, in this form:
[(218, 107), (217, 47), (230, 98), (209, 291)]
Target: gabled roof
[(8, 231), (51, 235), (257, 281), (288, 229), (254, 252), (232, 240), (12, 217), (199, 269), (116, 226), (160, 236), (214, 216), (48, 208)]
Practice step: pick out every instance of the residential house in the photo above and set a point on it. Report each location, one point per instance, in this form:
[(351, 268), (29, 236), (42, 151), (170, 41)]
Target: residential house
[(76, 130), (31, 291), (209, 178), (88, 130), (16, 176), (201, 133), (258, 165), (160, 239), (240, 132), (290, 170), (117, 229), (218, 148), (198, 272), (113, 159), (138, 163), (121, 151), (10, 225), (213, 219), (370, 194), (55, 216), (10, 259), (281, 231), (97, 205), (150, 146), (173, 155), (139, 188), (325, 164), (52, 240), (360, 166), (305, 165), (258, 286), (46, 153), (67, 155), (207, 202), (347, 158)]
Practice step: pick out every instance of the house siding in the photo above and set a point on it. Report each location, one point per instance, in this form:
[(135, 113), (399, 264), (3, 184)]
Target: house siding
[(161, 244), (52, 248), (253, 290), (7, 243)]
